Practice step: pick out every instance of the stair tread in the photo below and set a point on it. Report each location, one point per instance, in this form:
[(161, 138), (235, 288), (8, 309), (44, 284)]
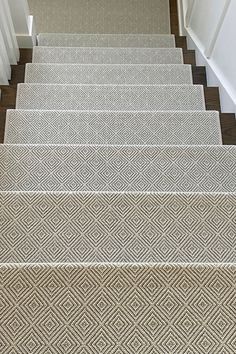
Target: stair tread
[(108, 74), (110, 97), (118, 168), (139, 128), (107, 55), (117, 227), (106, 40)]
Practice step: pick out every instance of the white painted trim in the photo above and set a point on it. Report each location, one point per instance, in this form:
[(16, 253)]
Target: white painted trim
[(28, 40), (4, 57), (210, 49), (23, 23), (215, 77), (3, 73), (6, 34)]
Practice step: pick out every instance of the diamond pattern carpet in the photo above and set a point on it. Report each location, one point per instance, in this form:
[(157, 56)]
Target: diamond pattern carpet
[(117, 227), (73, 55), (118, 168), (110, 97), (128, 128), (106, 40), (117, 197), (119, 308), (109, 74)]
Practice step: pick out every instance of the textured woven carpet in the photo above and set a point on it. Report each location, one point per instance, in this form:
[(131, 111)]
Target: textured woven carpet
[(118, 168), (110, 97), (137, 128), (127, 74), (101, 16), (117, 227), (119, 308), (93, 55), (106, 40), (117, 197)]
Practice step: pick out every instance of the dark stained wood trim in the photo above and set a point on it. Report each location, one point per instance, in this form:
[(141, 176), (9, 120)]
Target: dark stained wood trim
[(212, 99), (189, 57), (199, 75), (228, 128), (181, 42), (8, 98), (2, 123), (174, 22)]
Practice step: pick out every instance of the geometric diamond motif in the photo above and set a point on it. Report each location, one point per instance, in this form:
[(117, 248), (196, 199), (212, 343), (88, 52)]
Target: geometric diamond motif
[(110, 97), (128, 74), (107, 55), (110, 128), (120, 168), (137, 320), (118, 227)]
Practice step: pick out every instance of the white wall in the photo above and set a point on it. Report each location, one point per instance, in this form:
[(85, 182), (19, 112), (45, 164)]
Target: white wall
[(23, 23), (211, 31)]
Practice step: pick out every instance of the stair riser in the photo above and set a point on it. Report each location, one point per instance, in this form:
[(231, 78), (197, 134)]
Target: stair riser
[(65, 55), (109, 74), (118, 168), (116, 227), (137, 128), (106, 40), (110, 97)]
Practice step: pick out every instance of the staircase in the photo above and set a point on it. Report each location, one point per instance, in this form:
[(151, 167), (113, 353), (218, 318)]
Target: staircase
[(118, 202)]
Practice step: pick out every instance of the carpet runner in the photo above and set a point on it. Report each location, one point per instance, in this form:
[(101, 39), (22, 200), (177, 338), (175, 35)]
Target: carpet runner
[(110, 97), (73, 55), (106, 40), (109, 74), (112, 308), (117, 198), (111, 128), (44, 227), (118, 168), (102, 16)]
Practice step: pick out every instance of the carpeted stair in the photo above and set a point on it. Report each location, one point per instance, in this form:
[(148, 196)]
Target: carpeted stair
[(110, 97), (117, 197), (109, 74), (107, 40), (104, 127), (118, 168), (73, 55)]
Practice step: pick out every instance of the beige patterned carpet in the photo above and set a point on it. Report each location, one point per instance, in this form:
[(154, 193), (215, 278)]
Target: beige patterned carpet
[(101, 16), (117, 197)]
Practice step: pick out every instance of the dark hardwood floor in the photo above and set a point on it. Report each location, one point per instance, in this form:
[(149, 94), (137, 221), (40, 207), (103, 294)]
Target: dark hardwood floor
[(212, 98)]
